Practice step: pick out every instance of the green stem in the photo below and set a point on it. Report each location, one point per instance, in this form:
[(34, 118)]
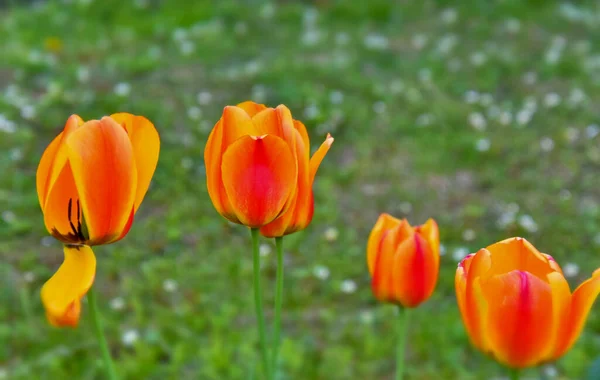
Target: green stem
[(514, 374), (260, 315), (278, 303), (402, 328), (108, 362)]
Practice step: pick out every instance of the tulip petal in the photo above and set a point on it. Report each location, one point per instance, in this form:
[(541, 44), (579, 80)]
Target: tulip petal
[(304, 136), (63, 213), (517, 325), (299, 215), (561, 308), (430, 232), (384, 223), (583, 299), (476, 305), (146, 147), (460, 284), (62, 293), (415, 271), (318, 156), (53, 160), (103, 167), (234, 124), (251, 108), (518, 253), (258, 175)]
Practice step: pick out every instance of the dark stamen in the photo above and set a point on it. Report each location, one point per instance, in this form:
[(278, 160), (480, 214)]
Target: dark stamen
[(70, 222)]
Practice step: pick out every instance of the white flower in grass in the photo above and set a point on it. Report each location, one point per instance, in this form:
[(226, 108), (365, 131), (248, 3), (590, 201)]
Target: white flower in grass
[(592, 131), (122, 89), (419, 41), (442, 250), (379, 107), (546, 144), (29, 277), (449, 16), (459, 253), (348, 286), (204, 98), (424, 120), (336, 97), (321, 272), (570, 269), (469, 235), (6, 125), (505, 117), (572, 134), (3, 374), (187, 48), (550, 371), (483, 145), (129, 337), (477, 121), (471, 96), (83, 74), (529, 78), (9, 216), (478, 58), (194, 113), (527, 223), (170, 285), (312, 112), (512, 25), (117, 303), (265, 250), (331, 234), (342, 38), (524, 116), (552, 100), (375, 41)]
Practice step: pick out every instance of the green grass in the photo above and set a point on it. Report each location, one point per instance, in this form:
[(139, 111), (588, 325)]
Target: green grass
[(392, 81)]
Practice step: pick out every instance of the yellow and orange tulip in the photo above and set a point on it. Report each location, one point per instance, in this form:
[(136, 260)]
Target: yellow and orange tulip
[(91, 180), (403, 260), (258, 168), (517, 306)]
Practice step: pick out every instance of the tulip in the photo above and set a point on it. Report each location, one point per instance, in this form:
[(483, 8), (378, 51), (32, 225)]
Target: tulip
[(403, 261), (90, 182), (517, 306), (258, 170)]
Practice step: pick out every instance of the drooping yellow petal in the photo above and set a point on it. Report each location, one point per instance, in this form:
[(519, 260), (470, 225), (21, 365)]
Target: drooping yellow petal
[(581, 303), (561, 309), (103, 165), (62, 293), (146, 147), (318, 156)]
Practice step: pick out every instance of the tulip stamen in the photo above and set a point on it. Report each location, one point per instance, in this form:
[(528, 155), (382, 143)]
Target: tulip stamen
[(77, 231)]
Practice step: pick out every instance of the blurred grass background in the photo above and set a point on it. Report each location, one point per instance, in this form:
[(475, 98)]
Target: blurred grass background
[(481, 114)]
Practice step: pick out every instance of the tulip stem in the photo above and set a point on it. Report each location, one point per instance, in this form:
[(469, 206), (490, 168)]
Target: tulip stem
[(108, 362), (278, 303), (402, 329), (260, 315), (514, 374)]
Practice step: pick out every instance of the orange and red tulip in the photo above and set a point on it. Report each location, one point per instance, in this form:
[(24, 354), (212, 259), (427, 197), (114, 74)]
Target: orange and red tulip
[(90, 182), (258, 168), (517, 306), (403, 260)]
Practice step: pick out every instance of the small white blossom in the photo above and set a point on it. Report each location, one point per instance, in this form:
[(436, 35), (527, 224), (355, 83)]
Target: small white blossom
[(117, 303), (524, 117), (424, 120), (331, 234), (376, 41), (478, 58), (471, 97), (28, 112), (122, 89), (311, 37), (572, 134), (513, 25), (442, 249), (405, 207), (564, 195), (342, 38), (29, 277), (449, 16), (592, 131), (187, 48), (419, 41), (477, 121), (546, 144), (336, 97), (483, 145), (552, 100), (460, 253), (550, 371), (194, 113), (527, 222), (379, 107), (348, 286), (570, 269), (505, 118), (170, 285), (130, 337), (9, 217), (204, 98), (529, 78), (468, 235), (321, 272), (265, 250)]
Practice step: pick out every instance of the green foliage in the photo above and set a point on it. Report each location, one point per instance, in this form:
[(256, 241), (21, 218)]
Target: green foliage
[(437, 111)]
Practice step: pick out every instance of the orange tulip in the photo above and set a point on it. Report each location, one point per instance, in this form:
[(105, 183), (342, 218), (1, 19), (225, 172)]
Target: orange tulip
[(403, 260), (517, 306), (258, 171), (90, 182)]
